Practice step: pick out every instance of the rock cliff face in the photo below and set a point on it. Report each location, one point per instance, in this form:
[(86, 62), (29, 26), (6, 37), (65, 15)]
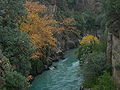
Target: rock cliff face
[(93, 5), (116, 59), (114, 55), (4, 67), (73, 5)]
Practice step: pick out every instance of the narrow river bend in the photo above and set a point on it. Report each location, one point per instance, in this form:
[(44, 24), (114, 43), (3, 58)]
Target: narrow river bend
[(66, 75)]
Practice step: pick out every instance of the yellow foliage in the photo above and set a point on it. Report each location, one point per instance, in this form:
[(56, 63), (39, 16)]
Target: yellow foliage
[(68, 21), (89, 39), (35, 7), (40, 29)]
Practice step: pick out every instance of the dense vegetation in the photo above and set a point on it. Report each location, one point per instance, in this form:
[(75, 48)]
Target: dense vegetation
[(30, 37), (15, 45), (27, 36), (92, 54)]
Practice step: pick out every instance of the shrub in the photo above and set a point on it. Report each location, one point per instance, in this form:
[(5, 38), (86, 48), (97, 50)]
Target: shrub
[(90, 46), (86, 21), (83, 51), (113, 14), (37, 66), (93, 67), (105, 82), (15, 81), (91, 54)]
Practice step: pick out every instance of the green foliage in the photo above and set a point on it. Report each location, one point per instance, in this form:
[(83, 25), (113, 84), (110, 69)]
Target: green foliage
[(113, 7), (15, 81), (12, 9), (113, 15), (60, 15), (86, 49), (66, 4), (93, 62), (83, 51), (88, 83), (105, 82), (94, 66), (101, 18), (37, 66), (66, 9), (3, 89), (16, 46), (71, 3), (86, 21)]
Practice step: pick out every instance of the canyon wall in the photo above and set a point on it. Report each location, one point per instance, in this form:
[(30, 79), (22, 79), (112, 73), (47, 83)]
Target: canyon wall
[(93, 5), (114, 56)]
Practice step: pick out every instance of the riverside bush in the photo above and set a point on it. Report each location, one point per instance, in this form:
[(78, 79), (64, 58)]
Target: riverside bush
[(105, 82), (83, 52), (90, 44), (94, 66), (37, 66), (15, 81), (92, 56)]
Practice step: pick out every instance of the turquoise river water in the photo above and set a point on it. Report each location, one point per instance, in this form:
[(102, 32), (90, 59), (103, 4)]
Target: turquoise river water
[(66, 75)]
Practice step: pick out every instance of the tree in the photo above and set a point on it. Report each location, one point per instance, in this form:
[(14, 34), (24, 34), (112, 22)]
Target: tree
[(15, 81), (39, 27), (16, 45)]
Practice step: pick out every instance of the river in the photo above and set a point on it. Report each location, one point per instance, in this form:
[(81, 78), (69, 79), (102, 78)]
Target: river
[(66, 75)]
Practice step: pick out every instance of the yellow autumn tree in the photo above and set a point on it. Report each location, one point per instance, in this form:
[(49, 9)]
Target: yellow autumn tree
[(89, 39), (39, 27)]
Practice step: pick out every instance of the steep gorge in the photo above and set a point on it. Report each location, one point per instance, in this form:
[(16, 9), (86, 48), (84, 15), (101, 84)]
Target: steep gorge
[(113, 54), (67, 39)]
